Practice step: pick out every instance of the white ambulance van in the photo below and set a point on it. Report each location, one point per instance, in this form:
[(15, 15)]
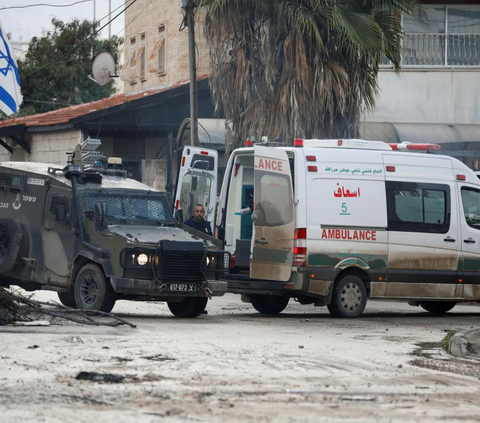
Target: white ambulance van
[(336, 222)]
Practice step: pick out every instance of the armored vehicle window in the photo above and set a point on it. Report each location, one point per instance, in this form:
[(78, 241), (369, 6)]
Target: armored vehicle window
[(58, 201), (419, 207), (139, 206), (7, 180)]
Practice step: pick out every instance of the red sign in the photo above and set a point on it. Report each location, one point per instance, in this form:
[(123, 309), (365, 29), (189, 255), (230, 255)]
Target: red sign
[(348, 234), (268, 164)]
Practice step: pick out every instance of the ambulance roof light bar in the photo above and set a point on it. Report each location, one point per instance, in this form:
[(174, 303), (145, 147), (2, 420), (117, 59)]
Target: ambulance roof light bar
[(343, 143), (408, 146)]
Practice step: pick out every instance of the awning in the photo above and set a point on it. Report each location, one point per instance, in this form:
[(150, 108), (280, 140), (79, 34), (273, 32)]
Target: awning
[(436, 133)]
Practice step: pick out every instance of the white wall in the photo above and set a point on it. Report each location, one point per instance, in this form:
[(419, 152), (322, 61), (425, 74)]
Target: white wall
[(421, 96)]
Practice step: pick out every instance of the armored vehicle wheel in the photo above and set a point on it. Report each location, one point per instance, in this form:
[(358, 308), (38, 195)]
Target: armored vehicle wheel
[(437, 307), (14, 244), (349, 297), (67, 299), (269, 304), (189, 307), (92, 291)]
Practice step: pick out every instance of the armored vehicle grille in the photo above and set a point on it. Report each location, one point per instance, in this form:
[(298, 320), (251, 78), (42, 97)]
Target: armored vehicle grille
[(181, 262)]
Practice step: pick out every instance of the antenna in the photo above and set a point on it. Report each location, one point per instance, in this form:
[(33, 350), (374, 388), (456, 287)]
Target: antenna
[(103, 68)]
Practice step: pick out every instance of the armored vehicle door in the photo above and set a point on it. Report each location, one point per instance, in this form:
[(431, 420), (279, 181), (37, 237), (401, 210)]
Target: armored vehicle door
[(197, 182), (273, 216), (57, 235)]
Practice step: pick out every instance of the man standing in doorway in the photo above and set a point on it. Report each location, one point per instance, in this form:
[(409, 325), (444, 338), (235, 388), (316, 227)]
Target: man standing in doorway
[(198, 222)]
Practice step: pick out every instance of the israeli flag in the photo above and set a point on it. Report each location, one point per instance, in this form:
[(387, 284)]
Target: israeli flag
[(10, 95)]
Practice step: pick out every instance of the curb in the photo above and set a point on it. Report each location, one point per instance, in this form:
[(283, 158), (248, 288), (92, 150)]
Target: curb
[(466, 345)]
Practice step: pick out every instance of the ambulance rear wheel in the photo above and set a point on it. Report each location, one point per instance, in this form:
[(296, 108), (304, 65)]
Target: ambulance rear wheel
[(92, 290), (349, 297), (189, 307), (269, 304), (437, 307)]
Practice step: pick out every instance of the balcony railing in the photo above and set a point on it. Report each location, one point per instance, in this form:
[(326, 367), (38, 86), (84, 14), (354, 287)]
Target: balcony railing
[(441, 50)]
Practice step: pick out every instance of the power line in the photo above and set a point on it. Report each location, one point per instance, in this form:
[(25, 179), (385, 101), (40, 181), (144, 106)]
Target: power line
[(80, 44), (45, 4)]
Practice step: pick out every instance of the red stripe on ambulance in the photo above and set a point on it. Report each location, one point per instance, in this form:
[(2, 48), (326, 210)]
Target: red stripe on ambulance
[(348, 234)]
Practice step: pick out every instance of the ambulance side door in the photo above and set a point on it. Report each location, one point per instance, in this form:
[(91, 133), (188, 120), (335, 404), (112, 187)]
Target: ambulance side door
[(273, 216), (197, 182), (469, 220), (423, 239)]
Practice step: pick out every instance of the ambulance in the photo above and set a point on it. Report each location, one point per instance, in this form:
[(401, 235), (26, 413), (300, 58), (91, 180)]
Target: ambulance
[(337, 222)]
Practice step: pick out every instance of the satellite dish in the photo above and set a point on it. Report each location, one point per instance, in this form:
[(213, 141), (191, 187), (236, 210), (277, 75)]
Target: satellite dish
[(103, 68)]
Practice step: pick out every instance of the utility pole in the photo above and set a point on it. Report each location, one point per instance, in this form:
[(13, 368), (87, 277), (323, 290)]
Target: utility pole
[(189, 6), (109, 19), (94, 7)]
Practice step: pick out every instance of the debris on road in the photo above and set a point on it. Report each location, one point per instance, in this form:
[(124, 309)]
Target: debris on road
[(22, 310), (100, 377)]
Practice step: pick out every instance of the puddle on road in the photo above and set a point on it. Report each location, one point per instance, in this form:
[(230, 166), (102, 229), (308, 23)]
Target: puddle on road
[(430, 355)]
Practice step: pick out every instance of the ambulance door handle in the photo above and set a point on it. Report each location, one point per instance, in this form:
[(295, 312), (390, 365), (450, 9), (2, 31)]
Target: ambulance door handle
[(469, 241), (261, 241), (448, 239)]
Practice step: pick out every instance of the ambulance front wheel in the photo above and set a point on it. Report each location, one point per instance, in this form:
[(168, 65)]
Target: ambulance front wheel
[(349, 297), (269, 304)]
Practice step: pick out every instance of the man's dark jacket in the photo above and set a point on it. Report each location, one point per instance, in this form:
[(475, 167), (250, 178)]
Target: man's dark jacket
[(202, 226)]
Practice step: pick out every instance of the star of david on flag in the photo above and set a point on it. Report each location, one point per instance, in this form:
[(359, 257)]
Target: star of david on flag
[(10, 95)]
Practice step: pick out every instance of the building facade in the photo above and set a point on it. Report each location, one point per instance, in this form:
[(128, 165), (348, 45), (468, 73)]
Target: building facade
[(156, 45), (439, 83)]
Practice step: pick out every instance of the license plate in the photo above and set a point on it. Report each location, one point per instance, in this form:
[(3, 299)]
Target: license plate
[(182, 287)]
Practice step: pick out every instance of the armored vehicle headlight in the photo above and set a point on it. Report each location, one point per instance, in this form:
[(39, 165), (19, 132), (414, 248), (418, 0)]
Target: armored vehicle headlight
[(142, 259), (208, 261)]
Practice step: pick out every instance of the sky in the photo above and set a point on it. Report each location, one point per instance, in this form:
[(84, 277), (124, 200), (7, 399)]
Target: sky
[(28, 22)]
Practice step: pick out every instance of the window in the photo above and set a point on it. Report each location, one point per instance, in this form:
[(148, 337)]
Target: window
[(161, 55), (58, 201), (141, 58), (140, 206), (416, 207), (471, 207), (133, 51), (195, 190), (443, 36), (275, 207)]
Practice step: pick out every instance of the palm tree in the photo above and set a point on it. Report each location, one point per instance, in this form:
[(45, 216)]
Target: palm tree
[(300, 68)]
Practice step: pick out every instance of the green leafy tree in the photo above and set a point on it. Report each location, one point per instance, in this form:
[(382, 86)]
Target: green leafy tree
[(55, 71), (300, 68)]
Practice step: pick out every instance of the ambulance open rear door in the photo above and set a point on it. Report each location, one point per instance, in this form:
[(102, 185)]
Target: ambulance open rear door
[(197, 182), (273, 216)]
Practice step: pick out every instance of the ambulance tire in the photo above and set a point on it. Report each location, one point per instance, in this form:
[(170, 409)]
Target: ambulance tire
[(349, 297), (92, 290), (14, 244), (437, 307), (67, 299), (269, 304), (189, 307)]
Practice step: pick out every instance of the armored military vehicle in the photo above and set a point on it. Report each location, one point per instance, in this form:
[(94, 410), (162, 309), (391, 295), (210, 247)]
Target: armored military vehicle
[(95, 236)]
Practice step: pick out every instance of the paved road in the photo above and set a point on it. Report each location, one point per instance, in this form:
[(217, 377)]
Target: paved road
[(234, 365)]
